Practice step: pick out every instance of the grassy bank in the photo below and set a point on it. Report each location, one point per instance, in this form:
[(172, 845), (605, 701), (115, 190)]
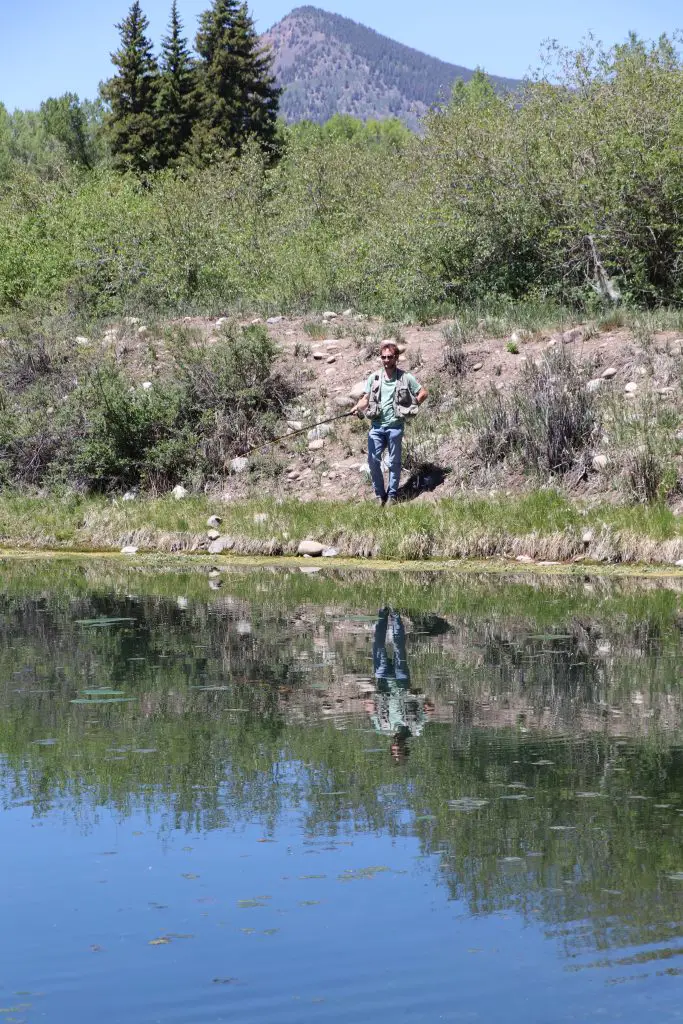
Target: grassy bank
[(543, 525)]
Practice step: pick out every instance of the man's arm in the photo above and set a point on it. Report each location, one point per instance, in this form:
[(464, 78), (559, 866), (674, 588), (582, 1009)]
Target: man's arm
[(421, 395), (361, 405)]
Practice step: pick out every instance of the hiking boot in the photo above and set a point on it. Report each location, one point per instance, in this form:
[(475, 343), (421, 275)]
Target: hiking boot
[(391, 501), (379, 501)]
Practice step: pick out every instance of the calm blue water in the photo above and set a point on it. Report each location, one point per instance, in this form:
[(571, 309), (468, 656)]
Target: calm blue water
[(243, 837)]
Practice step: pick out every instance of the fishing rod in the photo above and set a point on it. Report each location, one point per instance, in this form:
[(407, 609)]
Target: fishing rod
[(294, 433)]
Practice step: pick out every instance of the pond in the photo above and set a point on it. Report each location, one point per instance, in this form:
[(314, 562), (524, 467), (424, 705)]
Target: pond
[(280, 796)]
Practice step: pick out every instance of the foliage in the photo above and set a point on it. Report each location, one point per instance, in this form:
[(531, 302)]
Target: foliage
[(177, 99), (549, 419), (131, 94)]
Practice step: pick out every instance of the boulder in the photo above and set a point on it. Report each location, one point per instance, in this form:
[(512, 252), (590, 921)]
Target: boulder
[(330, 553), (310, 547), (143, 331), (575, 334), (179, 492), (129, 549), (343, 402), (82, 340), (182, 603), (255, 321), (214, 521), (594, 385), (331, 359), (213, 535), (239, 465), (274, 319), (146, 385), (609, 373), (631, 388), (318, 354), (221, 320), (521, 335), (221, 544), (525, 559), (679, 563), (215, 584), (129, 496), (295, 424), (317, 445), (322, 430), (329, 315), (587, 537), (348, 312), (600, 463), (357, 391)]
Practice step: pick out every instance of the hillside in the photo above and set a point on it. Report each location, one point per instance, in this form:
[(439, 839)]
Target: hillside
[(328, 64)]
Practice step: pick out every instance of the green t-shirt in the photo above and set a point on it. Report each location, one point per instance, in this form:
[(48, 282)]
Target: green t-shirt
[(387, 419)]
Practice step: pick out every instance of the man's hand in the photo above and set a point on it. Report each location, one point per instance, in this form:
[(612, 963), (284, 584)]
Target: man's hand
[(360, 407)]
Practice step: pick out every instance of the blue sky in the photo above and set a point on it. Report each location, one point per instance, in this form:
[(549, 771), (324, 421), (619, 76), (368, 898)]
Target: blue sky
[(50, 47)]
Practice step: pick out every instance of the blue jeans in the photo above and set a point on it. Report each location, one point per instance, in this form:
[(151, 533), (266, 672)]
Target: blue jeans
[(380, 438), (383, 665)]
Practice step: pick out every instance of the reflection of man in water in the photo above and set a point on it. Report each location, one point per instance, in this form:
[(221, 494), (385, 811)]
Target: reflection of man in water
[(395, 709)]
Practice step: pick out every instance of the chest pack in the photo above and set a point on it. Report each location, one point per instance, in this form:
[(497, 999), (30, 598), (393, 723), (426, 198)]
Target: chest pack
[(405, 403)]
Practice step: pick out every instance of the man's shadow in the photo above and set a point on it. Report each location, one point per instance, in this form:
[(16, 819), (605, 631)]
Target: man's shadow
[(427, 477)]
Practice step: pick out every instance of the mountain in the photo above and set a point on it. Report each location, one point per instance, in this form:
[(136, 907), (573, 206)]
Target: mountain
[(328, 64)]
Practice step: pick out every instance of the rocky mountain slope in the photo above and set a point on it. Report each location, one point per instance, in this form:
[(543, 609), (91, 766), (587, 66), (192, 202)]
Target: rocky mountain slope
[(329, 64)]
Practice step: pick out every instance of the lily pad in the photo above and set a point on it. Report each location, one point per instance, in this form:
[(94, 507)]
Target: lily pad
[(467, 804)]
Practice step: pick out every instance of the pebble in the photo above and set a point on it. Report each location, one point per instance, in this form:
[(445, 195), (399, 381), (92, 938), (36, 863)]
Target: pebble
[(331, 359), (631, 388), (477, 366)]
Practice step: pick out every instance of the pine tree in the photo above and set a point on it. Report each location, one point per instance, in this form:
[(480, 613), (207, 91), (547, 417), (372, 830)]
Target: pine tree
[(177, 99), (130, 123), (239, 97)]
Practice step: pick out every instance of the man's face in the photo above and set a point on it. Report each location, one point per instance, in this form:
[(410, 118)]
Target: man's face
[(389, 360)]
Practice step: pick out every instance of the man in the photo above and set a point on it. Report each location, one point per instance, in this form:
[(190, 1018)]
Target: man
[(391, 396)]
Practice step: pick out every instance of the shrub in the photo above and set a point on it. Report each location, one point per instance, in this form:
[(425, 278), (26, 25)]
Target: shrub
[(549, 420)]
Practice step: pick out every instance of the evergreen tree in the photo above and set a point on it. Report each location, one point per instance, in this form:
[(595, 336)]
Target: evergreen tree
[(177, 100), (130, 122), (239, 97)]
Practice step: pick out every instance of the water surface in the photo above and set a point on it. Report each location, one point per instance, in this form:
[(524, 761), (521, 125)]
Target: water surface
[(281, 796)]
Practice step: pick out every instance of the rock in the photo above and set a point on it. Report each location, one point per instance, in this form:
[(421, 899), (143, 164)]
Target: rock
[(214, 572), (82, 340), (477, 366), (310, 547), (609, 373), (500, 385), (318, 354), (260, 517), (594, 385), (357, 391), (221, 544), (129, 496), (295, 424), (331, 359), (215, 584), (548, 563), (322, 430), (221, 320), (364, 469), (182, 603), (143, 331), (330, 553), (348, 312), (329, 315), (310, 570), (600, 463), (214, 521), (179, 492), (255, 321), (132, 321), (575, 334), (274, 319), (343, 402), (239, 465), (213, 535), (363, 354), (129, 550), (521, 335), (317, 445), (243, 627), (631, 388), (679, 563), (146, 385), (525, 559), (401, 348), (587, 537)]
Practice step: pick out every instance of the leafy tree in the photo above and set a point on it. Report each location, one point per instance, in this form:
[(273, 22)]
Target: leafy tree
[(239, 98), (177, 100), (132, 94), (65, 120)]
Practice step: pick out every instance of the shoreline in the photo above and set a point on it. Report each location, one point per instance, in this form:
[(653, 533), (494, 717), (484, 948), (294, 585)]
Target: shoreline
[(494, 566)]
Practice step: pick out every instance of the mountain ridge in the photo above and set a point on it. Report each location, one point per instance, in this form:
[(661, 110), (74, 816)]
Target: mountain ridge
[(327, 63)]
